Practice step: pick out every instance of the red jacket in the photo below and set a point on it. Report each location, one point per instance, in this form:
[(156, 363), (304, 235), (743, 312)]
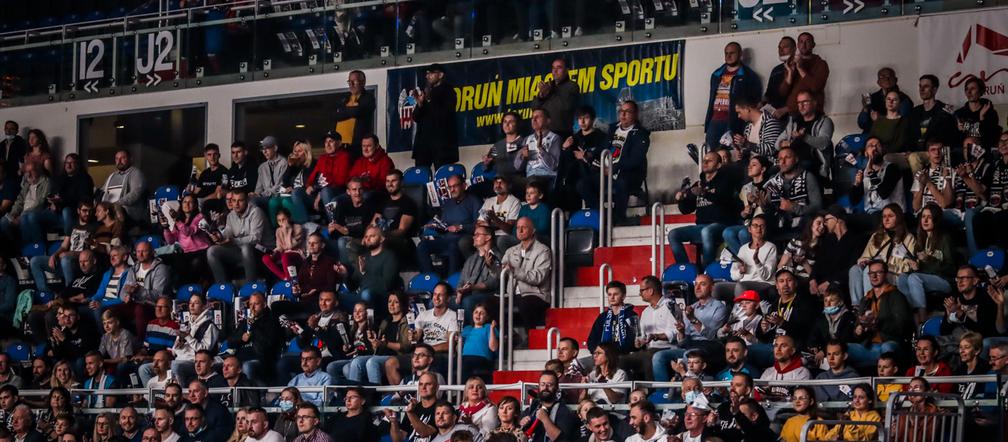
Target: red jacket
[(373, 170), (334, 169)]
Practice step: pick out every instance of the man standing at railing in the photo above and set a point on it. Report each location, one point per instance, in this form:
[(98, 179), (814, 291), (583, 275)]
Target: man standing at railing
[(727, 83), (436, 141), (355, 113), (547, 419)]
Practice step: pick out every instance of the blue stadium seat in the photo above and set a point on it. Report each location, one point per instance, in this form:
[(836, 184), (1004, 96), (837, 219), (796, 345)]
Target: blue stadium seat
[(54, 247), (185, 292), (480, 173), (423, 283), (584, 219), (718, 271), (993, 257), (33, 250), (44, 297), (19, 351), (415, 176), (449, 170), (677, 281), (853, 143), (932, 327), (453, 279), (221, 292), (167, 193), (282, 290), (251, 287)]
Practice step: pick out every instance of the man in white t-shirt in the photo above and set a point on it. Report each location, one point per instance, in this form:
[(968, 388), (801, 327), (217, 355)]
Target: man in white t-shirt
[(259, 427), (164, 422), (500, 213), (432, 327), (642, 418)]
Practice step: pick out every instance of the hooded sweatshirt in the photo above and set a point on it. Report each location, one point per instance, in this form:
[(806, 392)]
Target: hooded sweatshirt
[(331, 170), (835, 392), (373, 170)]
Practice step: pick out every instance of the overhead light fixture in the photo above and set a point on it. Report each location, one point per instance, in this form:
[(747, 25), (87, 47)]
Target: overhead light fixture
[(120, 126), (299, 126), (92, 161)]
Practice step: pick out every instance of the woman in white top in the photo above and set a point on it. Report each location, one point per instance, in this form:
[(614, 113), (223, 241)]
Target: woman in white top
[(476, 409), (754, 265), (606, 358), (196, 333)]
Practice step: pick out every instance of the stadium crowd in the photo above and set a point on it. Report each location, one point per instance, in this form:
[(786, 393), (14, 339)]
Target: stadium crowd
[(838, 254)]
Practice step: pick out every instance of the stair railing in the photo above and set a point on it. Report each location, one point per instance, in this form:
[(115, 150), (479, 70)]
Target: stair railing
[(453, 373), (657, 238), (604, 270), (558, 232), (553, 334), (605, 199), (506, 307)]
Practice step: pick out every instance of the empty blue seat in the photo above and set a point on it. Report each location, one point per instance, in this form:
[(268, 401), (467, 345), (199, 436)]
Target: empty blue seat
[(185, 292), (423, 283), (480, 173), (719, 271), (224, 293), (32, 250), (584, 219), (415, 176), (993, 257), (252, 287)]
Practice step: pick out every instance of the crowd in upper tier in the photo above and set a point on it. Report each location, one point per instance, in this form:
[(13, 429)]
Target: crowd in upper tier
[(838, 256)]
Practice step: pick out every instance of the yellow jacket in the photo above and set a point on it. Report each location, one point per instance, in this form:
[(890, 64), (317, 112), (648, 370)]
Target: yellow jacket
[(856, 432), (791, 432), (884, 390)]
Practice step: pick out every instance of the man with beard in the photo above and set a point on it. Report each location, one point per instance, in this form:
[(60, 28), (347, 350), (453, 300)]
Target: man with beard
[(259, 427), (642, 418), (805, 72), (741, 388), (129, 427), (125, 188), (376, 273), (447, 424), (63, 259), (736, 353), (547, 419), (398, 216)]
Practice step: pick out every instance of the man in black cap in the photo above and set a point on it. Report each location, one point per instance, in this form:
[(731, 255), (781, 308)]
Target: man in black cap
[(436, 142)]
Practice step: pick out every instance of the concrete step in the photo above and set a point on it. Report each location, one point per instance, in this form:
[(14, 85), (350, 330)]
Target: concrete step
[(589, 296)]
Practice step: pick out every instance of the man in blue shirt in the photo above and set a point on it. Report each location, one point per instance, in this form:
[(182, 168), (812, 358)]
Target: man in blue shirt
[(450, 232), (311, 357)]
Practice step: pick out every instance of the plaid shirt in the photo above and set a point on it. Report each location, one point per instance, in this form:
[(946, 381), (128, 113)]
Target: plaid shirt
[(316, 435)]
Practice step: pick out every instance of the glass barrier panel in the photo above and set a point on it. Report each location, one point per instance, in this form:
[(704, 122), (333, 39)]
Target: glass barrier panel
[(32, 71), (220, 41), (747, 15), (290, 36), (830, 11), (152, 58)]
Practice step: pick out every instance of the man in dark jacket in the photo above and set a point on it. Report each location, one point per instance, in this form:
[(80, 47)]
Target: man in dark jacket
[(547, 418), (930, 119), (617, 325), (785, 49), (355, 113), (874, 106), (715, 200), (257, 342), (12, 148), (217, 420), (728, 82), (793, 314), (436, 141), (560, 97), (68, 190)]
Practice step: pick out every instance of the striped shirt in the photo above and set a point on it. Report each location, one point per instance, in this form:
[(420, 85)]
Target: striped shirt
[(316, 435)]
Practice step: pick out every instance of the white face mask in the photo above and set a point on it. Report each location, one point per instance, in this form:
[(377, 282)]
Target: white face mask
[(784, 58), (10, 137)]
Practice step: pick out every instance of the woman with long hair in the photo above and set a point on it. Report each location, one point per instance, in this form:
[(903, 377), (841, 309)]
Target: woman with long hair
[(934, 264), (358, 345), (390, 339), (509, 415), (290, 246), (476, 408), (292, 194), (754, 199), (606, 370), (192, 240), (57, 404), (104, 428), (39, 151), (110, 231), (806, 408), (241, 426), (891, 127), (799, 254), (286, 421), (63, 376), (862, 408), (892, 243)]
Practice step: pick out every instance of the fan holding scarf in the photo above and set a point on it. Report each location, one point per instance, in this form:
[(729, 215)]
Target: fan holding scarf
[(619, 324)]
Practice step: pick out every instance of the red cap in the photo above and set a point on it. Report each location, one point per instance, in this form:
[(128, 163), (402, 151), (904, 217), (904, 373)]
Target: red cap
[(748, 295)]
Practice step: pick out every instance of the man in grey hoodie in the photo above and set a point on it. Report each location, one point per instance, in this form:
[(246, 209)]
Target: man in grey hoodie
[(146, 281), (125, 188), (236, 244), (270, 172), (836, 358)]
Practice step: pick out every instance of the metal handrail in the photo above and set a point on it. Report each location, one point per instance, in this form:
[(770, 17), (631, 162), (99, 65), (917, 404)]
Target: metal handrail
[(603, 270), (657, 238), (605, 199), (452, 336), (553, 331), (503, 303), (896, 399), (558, 230)]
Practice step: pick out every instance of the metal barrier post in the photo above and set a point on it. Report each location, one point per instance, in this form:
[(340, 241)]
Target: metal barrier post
[(605, 199), (451, 355), (657, 238), (899, 422), (512, 286), (557, 231), (553, 331), (603, 270), (505, 328)]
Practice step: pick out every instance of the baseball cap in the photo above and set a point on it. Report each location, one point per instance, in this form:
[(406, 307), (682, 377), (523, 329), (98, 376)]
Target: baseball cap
[(748, 295), (269, 141), (785, 269), (435, 67), (334, 135)]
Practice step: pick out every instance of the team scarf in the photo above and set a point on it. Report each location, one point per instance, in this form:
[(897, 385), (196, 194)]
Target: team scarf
[(622, 321), (467, 410)]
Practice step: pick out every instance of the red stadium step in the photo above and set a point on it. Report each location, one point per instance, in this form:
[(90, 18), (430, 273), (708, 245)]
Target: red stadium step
[(629, 263), (510, 377), (671, 219)]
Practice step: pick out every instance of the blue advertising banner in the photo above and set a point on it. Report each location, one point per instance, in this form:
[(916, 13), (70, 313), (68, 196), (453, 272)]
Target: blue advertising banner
[(650, 74)]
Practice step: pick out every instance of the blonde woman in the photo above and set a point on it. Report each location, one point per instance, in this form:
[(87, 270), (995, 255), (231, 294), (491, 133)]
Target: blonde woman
[(292, 194), (241, 426), (477, 409), (62, 376), (104, 428)]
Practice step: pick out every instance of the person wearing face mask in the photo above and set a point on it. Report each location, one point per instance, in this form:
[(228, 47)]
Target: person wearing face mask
[(12, 148), (836, 323), (286, 421)]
